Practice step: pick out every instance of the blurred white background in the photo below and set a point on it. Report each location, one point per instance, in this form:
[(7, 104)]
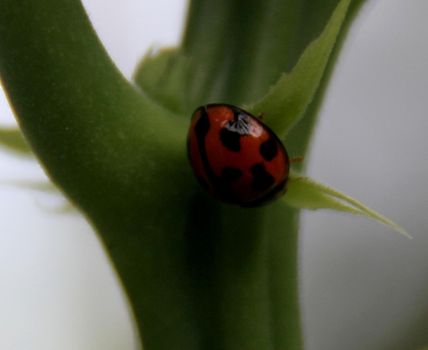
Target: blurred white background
[(363, 286)]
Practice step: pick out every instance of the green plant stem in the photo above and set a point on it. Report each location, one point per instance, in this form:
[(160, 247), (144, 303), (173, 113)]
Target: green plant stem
[(233, 53), (73, 105)]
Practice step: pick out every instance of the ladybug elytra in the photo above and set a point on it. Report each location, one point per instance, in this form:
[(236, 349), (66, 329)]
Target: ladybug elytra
[(235, 157)]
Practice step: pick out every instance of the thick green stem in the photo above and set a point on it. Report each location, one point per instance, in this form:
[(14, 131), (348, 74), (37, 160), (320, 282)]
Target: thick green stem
[(226, 40), (217, 278), (81, 117)]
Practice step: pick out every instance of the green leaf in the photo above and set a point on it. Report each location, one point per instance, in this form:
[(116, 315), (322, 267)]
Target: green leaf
[(305, 193), (287, 100), (46, 187), (43, 186), (13, 139), (163, 76)]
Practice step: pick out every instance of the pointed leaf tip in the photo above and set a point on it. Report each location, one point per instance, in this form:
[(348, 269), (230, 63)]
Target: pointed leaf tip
[(305, 193), (12, 139), (286, 102)]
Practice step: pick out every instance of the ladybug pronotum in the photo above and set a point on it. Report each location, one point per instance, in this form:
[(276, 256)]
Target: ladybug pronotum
[(236, 157)]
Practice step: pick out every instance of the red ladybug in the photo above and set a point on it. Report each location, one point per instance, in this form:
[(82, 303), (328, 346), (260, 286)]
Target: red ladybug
[(236, 157)]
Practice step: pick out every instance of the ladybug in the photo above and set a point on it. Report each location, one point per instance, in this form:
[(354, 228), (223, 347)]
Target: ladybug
[(235, 157)]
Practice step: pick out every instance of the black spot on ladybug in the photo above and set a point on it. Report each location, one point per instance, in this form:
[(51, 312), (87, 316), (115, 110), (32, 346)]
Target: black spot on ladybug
[(230, 174), (230, 134), (230, 139), (269, 149), (201, 130), (268, 196), (202, 126), (262, 179)]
